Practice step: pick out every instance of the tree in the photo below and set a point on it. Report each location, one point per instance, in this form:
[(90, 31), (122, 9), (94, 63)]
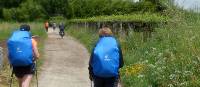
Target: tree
[(27, 11), (56, 7), (9, 4)]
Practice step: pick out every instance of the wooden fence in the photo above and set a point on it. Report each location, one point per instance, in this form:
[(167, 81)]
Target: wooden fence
[(1, 57), (120, 28)]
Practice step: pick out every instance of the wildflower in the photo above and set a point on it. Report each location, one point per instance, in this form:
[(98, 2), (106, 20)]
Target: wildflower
[(152, 66), (183, 84), (172, 76), (192, 38), (187, 73), (170, 85), (140, 76), (177, 71), (160, 54), (133, 69), (153, 48), (146, 52)]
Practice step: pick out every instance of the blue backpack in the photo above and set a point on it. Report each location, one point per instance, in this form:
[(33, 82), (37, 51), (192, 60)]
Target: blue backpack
[(105, 61), (20, 50)]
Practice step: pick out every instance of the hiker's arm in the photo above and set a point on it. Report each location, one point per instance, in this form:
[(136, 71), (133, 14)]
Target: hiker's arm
[(35, 49), (36, 52), (121, 60), (90, 65)]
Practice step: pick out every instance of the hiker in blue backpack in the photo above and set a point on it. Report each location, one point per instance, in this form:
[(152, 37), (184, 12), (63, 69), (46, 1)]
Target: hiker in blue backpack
[(105, 60), (22, 52)]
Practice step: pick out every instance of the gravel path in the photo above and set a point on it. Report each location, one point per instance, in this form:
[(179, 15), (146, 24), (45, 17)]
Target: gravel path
[(65, 64)]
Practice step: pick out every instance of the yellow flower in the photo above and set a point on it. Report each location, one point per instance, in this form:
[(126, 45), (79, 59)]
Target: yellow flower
[(134, 69)]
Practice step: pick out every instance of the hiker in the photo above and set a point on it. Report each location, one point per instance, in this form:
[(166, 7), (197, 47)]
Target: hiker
[(54, 26), (22, 52), (105, 60), (46, 25), (62, 29)]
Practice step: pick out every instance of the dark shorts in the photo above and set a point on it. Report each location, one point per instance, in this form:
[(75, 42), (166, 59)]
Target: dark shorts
[(20, 71), (105, 82)]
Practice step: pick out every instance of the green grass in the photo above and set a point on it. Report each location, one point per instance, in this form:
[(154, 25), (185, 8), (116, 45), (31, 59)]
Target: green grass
[(5, 32), (170, 58), (88, 38)]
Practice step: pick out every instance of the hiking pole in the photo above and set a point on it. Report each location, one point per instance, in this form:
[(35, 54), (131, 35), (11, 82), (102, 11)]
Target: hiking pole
[(92, 85), (36, 74), (11, 78)]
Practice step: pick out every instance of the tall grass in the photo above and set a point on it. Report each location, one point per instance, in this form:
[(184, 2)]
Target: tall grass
[(171, 58)]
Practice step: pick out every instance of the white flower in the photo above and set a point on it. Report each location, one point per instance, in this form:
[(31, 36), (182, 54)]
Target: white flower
[(177, 71), (140, 76), (187, 73), (152, 66), (160, 54), (183, 84), (146, 52), (172, 76), (170, 85), (192, 38)]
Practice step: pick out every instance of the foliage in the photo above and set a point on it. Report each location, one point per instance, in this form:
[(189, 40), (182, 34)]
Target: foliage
[(144, 17), (43, 9), (169, 59), (10, 3), (90, 8), (27, 11), (6, 4), (56, 7)]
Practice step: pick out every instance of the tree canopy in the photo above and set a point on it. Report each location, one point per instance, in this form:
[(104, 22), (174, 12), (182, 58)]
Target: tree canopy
[(30, 10)]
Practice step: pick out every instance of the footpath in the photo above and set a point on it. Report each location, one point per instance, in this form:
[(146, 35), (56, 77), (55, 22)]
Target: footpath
[(65, 63)]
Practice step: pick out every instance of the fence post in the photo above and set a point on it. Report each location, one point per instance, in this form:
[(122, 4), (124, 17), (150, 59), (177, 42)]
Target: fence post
[(1, 57)]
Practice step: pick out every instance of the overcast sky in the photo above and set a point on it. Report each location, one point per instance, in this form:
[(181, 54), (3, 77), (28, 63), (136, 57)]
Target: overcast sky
[(188, 4)]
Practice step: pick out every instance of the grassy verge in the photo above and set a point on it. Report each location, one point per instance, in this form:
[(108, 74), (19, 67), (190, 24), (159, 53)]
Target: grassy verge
[(5, 31), (169, 59)]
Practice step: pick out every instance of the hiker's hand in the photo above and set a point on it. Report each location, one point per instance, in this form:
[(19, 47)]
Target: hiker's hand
[(90, 77), (34, 59)]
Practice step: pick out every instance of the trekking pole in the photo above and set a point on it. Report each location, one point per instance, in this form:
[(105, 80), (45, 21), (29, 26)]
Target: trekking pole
[(92, 85), (120, 82), (36, 74), (11, 78)]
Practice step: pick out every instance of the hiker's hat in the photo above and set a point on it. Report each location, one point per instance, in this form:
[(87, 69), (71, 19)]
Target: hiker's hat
[(25, 27)]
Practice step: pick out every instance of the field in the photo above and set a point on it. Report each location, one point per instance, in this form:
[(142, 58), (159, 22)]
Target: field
[(170, 58)]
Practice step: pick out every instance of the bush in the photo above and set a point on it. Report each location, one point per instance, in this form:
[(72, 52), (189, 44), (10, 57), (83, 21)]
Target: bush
[(28, 11), (8, 14)]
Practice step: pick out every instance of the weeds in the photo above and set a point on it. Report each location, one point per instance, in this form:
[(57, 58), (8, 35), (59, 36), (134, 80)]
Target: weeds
[(170, 58)]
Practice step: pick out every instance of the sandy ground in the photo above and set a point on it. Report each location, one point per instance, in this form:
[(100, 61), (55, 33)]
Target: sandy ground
[(66, 62)]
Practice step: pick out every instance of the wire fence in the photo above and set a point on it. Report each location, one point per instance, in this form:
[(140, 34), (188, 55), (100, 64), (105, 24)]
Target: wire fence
[(1, 57)]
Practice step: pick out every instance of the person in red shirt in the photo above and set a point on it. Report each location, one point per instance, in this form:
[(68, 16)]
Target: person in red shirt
[(46, 26)]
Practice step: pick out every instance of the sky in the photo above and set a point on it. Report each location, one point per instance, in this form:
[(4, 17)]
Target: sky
[(188, 4)]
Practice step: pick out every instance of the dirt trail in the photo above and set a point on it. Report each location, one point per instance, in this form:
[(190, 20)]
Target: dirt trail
[(65, 64)]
